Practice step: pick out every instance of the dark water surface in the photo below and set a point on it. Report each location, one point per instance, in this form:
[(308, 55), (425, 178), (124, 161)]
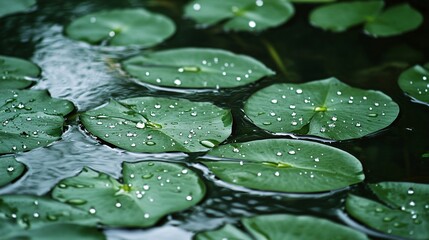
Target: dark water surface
[(86, 76)]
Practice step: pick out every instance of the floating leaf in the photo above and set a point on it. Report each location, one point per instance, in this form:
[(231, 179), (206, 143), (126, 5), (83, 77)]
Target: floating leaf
[(122, 28), (196, 68), (30, 119), (10, 170), (339, 17), (16, 73), (415, 82), (240, 15), (403, 211), (8, 7), (325, 108), (394, 21), (226, 232), (152, 124), (285, 165), (148, 191), (33, 212), (284, 226)]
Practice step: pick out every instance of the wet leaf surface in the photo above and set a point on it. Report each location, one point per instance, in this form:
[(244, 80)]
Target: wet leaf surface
[(15, 6), (17, 73), (10, 170), (415, 82)]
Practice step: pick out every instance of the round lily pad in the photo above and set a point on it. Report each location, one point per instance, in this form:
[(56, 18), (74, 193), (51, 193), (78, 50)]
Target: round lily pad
[(403, 209), (122, 27), (17, 73), (154, 124), (240, 15), (196, 68), (30, 119), (147, 192), (10, 170), (341, 16), (285, 226), (8, 7), (325, 108), (415, 82), (394, 21), (285, 165)]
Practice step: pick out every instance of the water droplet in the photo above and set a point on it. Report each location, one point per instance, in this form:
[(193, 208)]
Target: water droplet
[(358, 125), (92, 211), (189, 198), (387, 219), (185, 171), (292, 152), (10, 169), (412, 203), (177, 82), (298, 91), (259, 3), (372, 115), (207, 143), (150, 143), (292, 106), (410, 191), (279, 154), (146, 187), (276, 174), (252, 24), (157, 106), (112, 34), (378, 209), (36, 215), (274, 101), (118, 205), (339, 93), (76, 201), (317, 160), (196, 7), (146, 215), (334, 118)]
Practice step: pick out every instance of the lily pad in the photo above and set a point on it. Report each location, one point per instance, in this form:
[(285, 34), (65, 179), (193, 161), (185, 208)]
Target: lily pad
[(394, 21), (10, 170), (154, 124), (228, 231), (32, 212), (240, 15), (341, 16), (285, 226), (403, 209), (325, 108), (8, 7), (17, 73), (148, 191), (285, 165), (415, 82), (30, 119), (122, 27), (196, 68)]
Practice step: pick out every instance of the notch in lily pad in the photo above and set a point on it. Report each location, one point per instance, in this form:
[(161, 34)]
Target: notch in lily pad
[(147, 192), (284, 165), (30, 119), (10, 170), (196, 68), (415, 83), (283, 226), (15, 6), (377, 22), (16, 73), (122, 27), (155, 124), (402, 209), (325, 108), (240, 15)]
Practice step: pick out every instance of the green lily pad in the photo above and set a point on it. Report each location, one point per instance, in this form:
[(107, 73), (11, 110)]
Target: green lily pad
[(196, 68), (8, 7), (10, 170), (285, 165), (403, 209), (228, 231), (240, 15), (123, 27), (52, 231), (341, 16), (17, 73), (30, 119), (415, 82), (153, 124), (148, 191), (33, 212), (325, 108), (285, 226), (394, 21)]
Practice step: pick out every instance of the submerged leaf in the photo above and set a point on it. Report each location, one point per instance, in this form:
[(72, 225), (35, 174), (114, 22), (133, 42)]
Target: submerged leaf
[(153, 124), (240, 15), (403, 210), (8, 7), (285, 165), (10, 170), (17, 73), (122, 28), (30, 119), (196, 68), (325, 108), (415, 82), (148, 191)]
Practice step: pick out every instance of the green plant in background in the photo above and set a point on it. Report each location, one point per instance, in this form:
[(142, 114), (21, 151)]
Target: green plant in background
[(10, 170), (17, 73), (151, 124), (8, 7), (196, 68), (415, 82)]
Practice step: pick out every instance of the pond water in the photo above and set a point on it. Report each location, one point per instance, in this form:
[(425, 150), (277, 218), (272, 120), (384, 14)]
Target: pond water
[(87, 76)]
